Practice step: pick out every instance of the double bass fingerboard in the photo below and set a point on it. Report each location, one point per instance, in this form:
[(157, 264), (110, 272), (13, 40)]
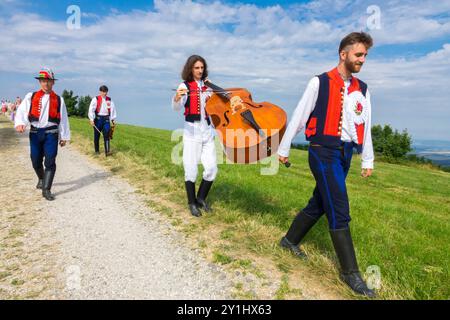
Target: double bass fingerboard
[(220, 91)]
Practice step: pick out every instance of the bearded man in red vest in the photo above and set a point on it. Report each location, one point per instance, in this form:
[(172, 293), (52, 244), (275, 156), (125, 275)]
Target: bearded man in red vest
[(47, 114), (102, 111), (335, 111)]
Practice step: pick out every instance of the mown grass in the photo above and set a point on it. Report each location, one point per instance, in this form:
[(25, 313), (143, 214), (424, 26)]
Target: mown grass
[(400, 215)]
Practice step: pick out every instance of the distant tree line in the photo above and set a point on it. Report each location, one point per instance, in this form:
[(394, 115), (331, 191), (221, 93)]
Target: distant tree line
[(389, 143), (76, 106)]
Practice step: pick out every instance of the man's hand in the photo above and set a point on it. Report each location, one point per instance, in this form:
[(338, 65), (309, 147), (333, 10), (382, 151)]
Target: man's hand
[(366, 173), (91, 122), (180, 92), (283, 160), (20, 128), (62, 143)]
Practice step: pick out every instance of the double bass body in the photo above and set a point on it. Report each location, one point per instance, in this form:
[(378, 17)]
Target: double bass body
[(249, 131)]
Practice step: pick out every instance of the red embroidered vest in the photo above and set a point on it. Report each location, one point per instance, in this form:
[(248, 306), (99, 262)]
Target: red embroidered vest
[(192, 107), (54, 114), (99, 104), (324, 125)]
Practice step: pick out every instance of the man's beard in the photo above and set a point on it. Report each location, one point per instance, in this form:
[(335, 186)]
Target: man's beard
[(353, 67)]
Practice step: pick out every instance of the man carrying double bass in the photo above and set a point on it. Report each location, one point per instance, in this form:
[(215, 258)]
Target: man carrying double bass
[(198, 133)]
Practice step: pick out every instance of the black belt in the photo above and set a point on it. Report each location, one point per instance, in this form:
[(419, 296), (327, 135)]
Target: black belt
[(337, 147), (52, 129), (192, 121)]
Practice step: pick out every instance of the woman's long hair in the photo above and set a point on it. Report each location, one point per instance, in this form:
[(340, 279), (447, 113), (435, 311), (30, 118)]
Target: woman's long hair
[(187, 75)]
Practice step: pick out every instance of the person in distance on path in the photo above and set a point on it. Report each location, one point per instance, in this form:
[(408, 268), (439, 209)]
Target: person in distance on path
[(102, 110)]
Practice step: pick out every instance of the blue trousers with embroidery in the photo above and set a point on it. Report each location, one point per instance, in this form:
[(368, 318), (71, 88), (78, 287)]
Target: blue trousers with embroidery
[(43, 149), (330, 168), (102, 124)]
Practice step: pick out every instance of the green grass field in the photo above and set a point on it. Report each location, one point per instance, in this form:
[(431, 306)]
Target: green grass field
[(400, 216)]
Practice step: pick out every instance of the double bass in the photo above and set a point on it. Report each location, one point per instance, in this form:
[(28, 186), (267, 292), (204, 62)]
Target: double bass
[(249, 131)]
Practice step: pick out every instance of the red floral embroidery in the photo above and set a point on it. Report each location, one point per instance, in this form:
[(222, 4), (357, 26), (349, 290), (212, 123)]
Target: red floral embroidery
[(358, 109)]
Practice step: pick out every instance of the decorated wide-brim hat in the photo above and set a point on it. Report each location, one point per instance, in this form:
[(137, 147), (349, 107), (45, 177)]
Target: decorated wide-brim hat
[(46, 73)]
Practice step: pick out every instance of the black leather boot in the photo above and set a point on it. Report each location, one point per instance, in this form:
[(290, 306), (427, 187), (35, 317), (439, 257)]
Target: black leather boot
[(107, 148), (203, 191), (343, 245), (40, 175), (192, 203), (96, 145), (297, 231), (47, 185)]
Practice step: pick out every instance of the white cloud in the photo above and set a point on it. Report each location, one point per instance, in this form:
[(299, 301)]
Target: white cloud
[(272, 51), (402, 21), (90, 15), (260, 41)]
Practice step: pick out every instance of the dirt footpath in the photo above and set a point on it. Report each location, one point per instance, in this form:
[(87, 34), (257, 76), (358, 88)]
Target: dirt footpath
[(97, 240)]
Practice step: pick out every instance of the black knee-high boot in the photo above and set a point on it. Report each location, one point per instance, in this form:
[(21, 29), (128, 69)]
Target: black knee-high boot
[(297, 231), (203, 191), (107, 147), (343, 245), (96, 140), (47, 184), (192, 202), (40, 175), (96, 145)]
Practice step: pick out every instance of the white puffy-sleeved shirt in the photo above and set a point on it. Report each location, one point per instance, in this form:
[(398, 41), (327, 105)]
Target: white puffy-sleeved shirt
[(306, 106), (103, 109), (195, 129), (21, 117)]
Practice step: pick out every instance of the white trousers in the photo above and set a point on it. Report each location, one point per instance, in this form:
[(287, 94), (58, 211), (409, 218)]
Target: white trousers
[(198, 146)]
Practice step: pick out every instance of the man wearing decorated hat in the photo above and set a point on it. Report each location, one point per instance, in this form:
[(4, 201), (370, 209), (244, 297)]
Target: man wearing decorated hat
[(101, 111), (46, 112)]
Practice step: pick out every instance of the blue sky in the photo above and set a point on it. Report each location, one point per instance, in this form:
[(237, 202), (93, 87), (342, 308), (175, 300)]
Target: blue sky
[(272, 48)]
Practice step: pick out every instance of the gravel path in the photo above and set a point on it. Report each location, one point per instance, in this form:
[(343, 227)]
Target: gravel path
[(110, 245)]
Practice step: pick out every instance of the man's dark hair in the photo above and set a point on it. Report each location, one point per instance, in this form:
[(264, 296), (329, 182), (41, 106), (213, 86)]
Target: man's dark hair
[(187, 75), (103, 89), (356, 37)]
